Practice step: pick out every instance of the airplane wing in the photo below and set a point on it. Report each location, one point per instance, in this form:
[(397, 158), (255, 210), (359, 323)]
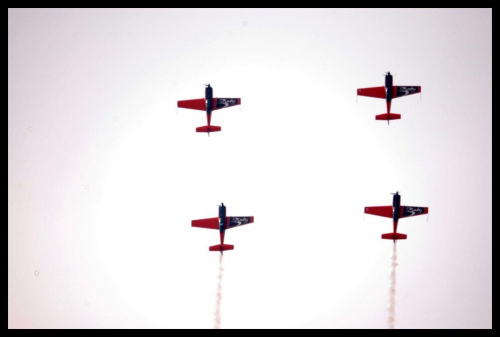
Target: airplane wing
[(221, 103), (235, 221), (377, 92), (196, 104), (406, 211), (210, 223), (405, 90), (385, 211)]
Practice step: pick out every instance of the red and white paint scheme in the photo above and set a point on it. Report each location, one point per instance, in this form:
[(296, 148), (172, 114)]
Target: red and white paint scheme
[(396, 212), (222, 223), (208, 104), (389, 92)]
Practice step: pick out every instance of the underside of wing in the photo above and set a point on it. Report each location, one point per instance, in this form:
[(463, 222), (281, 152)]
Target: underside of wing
[(385, 211), (196, 104), (406, 211), (221, 103), (405, 90), (235, 221), (210, 223), (377, 92)]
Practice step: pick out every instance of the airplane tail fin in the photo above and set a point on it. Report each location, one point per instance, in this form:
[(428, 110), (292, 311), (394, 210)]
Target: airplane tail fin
[(387, 117), (220, 248), (208, 128), (394, 236)]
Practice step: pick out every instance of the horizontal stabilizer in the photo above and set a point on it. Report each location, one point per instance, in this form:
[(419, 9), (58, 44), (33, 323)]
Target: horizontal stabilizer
[(220, 248), (394, 236), (387, 116), (208, 128)]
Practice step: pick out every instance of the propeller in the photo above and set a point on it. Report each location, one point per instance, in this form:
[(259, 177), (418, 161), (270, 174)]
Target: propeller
[(397, 192)]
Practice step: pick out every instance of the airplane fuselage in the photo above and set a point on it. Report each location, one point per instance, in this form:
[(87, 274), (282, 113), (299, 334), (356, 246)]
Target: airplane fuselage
[(222, 224), (388, 87), (396, 202), (222, 218), (209, 102), (388, 91), (208, 97)]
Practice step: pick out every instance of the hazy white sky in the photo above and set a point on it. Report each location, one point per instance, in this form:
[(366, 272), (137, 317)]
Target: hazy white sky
[(105, 174)]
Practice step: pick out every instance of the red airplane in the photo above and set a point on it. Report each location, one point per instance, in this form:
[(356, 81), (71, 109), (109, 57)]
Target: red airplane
[(389, 92), (222, 223), (396, 212), (208, 104)]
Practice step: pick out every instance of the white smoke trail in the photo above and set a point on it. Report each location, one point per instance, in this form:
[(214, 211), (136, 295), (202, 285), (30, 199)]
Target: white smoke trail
[(392, 289), (219, 295)]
